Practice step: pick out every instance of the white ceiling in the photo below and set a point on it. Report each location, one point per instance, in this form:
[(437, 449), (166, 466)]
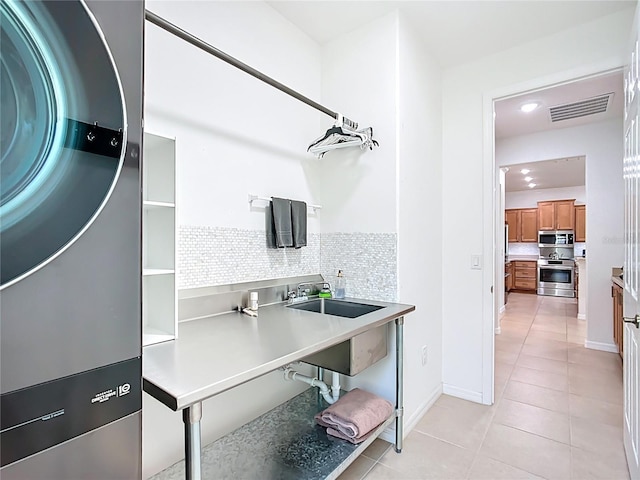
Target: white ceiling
[(557, 173), (454, 31), (510, 120)]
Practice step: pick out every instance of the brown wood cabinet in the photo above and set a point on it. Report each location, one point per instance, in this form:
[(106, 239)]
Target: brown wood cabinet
[(581, 223), (523, 224), (508, 276), (556, 215), (618, 324), (511, 218), (529, 225), (525, 275)]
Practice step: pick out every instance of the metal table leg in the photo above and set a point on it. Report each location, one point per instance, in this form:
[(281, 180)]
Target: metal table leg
[(191, 417), (399, 382)]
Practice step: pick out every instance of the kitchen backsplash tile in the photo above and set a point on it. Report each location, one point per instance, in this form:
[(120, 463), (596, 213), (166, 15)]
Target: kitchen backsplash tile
[(524, 249), (532, 249), (219, 256)]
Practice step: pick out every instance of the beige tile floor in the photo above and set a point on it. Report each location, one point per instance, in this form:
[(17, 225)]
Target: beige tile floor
[(557, 411)]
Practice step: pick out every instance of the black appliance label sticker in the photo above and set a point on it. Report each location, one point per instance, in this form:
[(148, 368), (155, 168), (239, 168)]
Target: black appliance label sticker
[(39, 417)]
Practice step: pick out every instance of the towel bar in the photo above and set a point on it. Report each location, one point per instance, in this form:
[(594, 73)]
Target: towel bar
[(253, 198)]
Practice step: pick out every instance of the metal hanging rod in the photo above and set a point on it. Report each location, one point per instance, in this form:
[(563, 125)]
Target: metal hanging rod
[(195, 41)]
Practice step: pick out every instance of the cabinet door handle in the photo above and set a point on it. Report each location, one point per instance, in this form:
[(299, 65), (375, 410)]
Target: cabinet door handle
[(635, 320)]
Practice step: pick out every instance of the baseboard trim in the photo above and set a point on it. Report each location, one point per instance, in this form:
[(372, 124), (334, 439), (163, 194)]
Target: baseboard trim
[(582, 316), (462, 393), (502, 310), (498, 330), (604, 347), (389, 433)]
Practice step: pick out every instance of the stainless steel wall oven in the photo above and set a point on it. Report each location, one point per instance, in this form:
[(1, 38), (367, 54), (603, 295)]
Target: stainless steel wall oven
[(556, 277)]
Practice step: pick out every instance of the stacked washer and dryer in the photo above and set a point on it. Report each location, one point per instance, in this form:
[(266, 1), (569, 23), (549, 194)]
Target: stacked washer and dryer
[(70, 306)]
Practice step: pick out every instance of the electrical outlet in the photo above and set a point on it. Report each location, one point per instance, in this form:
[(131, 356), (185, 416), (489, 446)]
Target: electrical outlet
[(424, 355)]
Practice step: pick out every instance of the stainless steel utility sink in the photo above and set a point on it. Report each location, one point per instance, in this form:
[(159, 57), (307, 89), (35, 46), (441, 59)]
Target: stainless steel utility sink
[(354, 355), (336, 307)]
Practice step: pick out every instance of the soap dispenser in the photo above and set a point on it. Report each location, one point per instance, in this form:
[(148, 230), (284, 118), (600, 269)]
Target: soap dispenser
[(341, 285)]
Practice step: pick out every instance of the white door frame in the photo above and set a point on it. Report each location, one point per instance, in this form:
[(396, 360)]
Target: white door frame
[(489, 308)]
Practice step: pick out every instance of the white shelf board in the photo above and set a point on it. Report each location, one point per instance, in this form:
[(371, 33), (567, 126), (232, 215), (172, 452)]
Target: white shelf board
[(157, 271), (152, 335), (154, 204)]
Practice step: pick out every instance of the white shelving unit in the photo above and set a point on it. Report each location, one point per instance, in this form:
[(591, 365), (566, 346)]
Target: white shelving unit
[(159, 239)]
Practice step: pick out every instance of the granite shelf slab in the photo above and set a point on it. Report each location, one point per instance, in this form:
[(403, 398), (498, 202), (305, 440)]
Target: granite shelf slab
[(283, 444)]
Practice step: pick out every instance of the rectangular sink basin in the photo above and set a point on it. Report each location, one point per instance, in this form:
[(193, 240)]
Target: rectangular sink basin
[(336, 307), (356, 354)]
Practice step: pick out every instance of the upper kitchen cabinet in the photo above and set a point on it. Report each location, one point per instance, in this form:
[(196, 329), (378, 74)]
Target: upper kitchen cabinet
[(556, 215), (581, 223), (512, 219), (522, 224), (529, 225)]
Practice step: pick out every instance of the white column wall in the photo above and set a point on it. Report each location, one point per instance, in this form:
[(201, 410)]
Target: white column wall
[(359, 76), (419, 217)]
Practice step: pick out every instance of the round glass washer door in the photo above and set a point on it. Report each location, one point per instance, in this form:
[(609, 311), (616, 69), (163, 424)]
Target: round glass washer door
[(62, 131)]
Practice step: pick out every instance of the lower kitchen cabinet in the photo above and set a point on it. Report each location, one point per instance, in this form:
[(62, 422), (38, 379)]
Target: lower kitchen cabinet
[(618, 323), (525, 275), (508, 276)]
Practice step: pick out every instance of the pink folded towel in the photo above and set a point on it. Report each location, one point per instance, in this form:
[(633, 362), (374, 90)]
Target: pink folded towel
[(355, 415)]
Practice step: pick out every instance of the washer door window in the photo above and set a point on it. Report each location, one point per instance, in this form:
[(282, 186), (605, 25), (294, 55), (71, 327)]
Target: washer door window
[(62, 131)]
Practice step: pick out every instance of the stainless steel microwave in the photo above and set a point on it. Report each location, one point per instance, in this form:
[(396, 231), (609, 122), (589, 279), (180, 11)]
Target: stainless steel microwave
[(555, 238)]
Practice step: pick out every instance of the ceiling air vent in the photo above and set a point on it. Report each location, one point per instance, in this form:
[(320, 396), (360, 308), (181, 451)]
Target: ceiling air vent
[(582, 108)]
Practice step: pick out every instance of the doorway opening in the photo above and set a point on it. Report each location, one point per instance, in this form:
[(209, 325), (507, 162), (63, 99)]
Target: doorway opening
[(516, 141)]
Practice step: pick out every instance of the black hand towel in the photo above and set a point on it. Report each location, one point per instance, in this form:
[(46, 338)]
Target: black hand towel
[(299, 223), (269, 226), (281, 209)]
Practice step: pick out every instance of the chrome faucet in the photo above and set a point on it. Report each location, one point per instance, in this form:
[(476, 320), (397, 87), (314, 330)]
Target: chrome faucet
[(303, 292)]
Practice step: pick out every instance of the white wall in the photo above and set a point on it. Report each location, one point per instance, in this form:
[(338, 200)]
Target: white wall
[(357, 187), (602, 143), (467, 217), (234, 136), (419, 215), (530, 198), (358, 79)]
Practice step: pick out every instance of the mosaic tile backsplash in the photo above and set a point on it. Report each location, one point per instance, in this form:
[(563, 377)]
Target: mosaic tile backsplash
[(218, 256), (368, 261)]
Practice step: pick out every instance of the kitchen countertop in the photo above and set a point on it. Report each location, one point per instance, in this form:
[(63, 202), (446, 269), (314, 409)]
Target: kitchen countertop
[(214, 354), (514, 258)]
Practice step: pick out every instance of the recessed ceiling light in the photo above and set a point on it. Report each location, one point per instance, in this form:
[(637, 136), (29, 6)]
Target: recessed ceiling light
[(524, 171), (531, 185), (527, 179), (529, 107)]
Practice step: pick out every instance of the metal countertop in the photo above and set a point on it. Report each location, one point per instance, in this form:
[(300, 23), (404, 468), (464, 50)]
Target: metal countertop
[(214, 354)]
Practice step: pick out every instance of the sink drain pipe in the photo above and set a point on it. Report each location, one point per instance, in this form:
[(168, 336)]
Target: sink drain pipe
[(330, 397)]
